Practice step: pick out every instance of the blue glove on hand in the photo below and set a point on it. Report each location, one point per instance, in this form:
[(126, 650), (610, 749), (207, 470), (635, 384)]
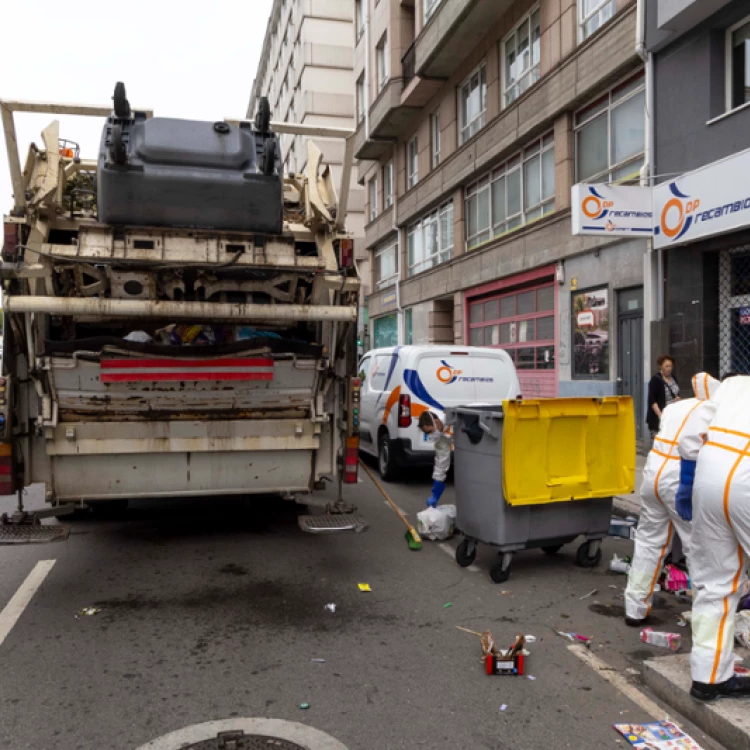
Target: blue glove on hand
[(437, 493), (684, 496)]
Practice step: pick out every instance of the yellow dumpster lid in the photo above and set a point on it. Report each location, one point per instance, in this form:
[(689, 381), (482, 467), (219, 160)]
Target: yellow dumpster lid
[(563, 449)]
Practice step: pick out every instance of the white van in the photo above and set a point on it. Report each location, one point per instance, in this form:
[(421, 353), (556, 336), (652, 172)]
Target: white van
[(399, 383)]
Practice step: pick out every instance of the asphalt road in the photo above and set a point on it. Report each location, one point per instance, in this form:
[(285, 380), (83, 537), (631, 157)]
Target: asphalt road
[(216, 610)]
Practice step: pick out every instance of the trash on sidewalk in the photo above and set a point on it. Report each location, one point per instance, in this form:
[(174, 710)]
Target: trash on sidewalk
[(620, 564), (742, 628), (330, 607), (436, 523), (591, 593), (304, 706), (576, 638), (447, 605), (364, 587), (318, 661), (530, 677), (530, 638), (632, 671), (503, 707), (659, 735), (671, 641), (88, 612), (674, 579), (623, 527)]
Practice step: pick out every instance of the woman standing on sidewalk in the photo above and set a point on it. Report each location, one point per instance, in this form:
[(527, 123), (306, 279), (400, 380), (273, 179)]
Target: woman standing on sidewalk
[(663, 390)]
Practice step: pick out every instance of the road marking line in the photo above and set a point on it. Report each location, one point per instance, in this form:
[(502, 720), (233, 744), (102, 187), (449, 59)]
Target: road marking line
[(452, 553), (385, 502), (20, 600), (618, 681)]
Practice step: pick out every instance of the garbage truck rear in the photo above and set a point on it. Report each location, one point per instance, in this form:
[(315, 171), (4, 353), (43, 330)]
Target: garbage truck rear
[(179, 317)]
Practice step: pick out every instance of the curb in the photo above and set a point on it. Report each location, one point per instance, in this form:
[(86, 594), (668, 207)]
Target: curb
[(726, 721), (301, 734)]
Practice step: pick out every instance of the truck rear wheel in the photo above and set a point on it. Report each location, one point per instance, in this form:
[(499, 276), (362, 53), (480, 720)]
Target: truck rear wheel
[(386, 459)]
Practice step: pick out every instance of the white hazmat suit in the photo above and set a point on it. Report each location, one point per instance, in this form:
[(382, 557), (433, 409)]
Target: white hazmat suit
[(721, 533), (659, 518)]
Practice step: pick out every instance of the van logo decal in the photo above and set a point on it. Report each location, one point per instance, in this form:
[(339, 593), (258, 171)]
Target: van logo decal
[(447, 374)]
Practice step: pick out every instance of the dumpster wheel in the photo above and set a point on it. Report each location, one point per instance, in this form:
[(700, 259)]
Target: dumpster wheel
[(584, 556), (466, 552)]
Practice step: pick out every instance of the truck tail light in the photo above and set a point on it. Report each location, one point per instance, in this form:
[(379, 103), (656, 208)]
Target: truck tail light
[(351, 460), (404, 411), (6, 469)]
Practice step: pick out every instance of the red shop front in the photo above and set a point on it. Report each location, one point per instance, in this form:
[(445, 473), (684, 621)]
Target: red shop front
[(519, 314)]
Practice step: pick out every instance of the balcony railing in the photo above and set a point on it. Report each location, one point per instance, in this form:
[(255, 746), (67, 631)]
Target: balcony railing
[(408, 64)]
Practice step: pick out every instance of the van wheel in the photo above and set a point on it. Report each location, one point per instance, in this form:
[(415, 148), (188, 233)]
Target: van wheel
[(386, 459)]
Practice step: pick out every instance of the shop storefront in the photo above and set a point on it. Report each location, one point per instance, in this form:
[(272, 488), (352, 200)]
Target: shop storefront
[(519, 314)]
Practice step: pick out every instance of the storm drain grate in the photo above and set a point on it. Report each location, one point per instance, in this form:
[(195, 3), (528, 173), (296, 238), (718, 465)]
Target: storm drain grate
[(241, 741), (26, 533), (330, 523)]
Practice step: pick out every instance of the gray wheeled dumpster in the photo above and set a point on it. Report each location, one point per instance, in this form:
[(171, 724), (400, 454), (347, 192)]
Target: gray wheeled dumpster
[(539, 474)]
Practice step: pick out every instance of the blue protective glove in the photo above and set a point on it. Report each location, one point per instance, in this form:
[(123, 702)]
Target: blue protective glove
[(437, 493), (684, 496)]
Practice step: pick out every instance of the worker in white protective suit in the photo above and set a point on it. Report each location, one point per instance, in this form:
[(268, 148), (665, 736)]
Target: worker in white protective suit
[(433, 425), (715, 492), (659, 518)]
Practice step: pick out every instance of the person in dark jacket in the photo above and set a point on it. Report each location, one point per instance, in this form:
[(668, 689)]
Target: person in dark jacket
[(662, 391)]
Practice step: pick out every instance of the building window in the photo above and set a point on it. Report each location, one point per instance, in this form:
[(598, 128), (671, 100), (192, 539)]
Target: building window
[(373, 196), (738, 65), (429, 241), (412, 163), (386, 265), (521, 322), (359, 18), (521, 53), (473, 104), (610, 135), (388, 185), (592, 15), (381, 54), (430, 6), (434, 140), (361, 101), (385, 331), (516, 193)]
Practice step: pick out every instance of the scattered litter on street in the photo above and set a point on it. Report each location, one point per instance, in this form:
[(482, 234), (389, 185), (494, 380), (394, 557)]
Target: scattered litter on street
[(531, 677), (576, 637), (741, 671), (447, 604), (657, 736), (318, 661), (88, 612), (620, 564), (503, 707), (530, 638), (331, 607), (671, 641), (304, 706), (364, 587), (613, 586), (591, 593), (630, 670), (675, 579), (506, 593), (684, 597)]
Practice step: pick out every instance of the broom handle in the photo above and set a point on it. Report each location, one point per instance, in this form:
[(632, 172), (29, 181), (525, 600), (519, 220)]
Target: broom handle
[(387, 497)]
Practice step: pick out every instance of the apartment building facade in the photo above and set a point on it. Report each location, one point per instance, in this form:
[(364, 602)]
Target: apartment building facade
[(700, 53), (474, 119), (306, 71)]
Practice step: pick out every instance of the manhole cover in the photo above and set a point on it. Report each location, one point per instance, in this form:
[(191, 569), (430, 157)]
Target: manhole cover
[(241, 741), (24, 533)]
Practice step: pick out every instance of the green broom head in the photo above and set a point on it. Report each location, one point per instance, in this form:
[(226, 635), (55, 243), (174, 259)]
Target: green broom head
[(414, 544)]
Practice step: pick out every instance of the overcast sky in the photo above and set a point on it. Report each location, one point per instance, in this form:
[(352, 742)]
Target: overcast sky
[(195, 62)]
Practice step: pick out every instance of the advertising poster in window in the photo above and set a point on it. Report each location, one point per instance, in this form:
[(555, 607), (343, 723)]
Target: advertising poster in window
[(591, 334)]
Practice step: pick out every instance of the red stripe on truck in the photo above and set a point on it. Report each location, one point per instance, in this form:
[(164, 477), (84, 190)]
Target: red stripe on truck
[(183, 364), (160, 370)]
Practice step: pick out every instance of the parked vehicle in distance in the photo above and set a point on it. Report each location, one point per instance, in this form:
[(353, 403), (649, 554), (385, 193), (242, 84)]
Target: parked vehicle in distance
[(399, 383)]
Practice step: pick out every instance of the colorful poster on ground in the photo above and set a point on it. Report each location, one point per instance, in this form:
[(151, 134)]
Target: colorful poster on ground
[(661, 735)]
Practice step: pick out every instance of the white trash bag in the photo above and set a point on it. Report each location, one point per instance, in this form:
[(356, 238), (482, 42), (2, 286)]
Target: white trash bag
[(436, 523), (742, 628)]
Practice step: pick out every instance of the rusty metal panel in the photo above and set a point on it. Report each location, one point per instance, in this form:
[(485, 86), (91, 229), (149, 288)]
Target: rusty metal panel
[(119, 438), (180, 474), (81, 394)]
